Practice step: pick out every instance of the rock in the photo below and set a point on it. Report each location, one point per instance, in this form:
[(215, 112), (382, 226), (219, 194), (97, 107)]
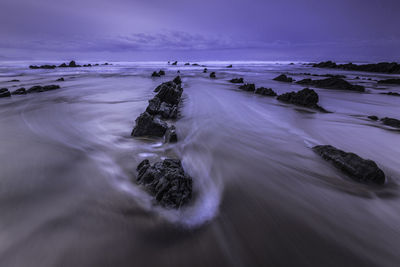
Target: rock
[(265, 91), (390, 81), (178, 71), (166, 181), (148, 125), (332, 83), (63, 65), (382, 67), (195, 64), (38, 88), (175, 63), (166, 84), (250, 87), (170, 135), (161, 73), (167, 111), (205, 70), (391, 93), (72, 64), (212, 75), (4, 92), (43, 67), (391, 122), (60, 80), (306, 98), (177, 80), (230, 66), (357, 168), (155, 74), (283, 78), (14, 81), (187, 64), (237, 80), (374, 118), (20, 91), (170, 94)]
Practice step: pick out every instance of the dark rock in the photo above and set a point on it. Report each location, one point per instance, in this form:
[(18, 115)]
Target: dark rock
[(250, 87), (391, 93), (43, 67), (4, 92), (72, 64), (177, 80), (283, 78), (230, 66), (205, 70), (166, 181), (357, 168), (237, 80), (20, 91), (161, 73), (60, 80), (390, 81), (332, 83), (170, 135), (187, 64), (374, 118), (212, 75), (175, 63), (63, 65), (178, 71), (38, 88), (195, 64), (155, 74), (106, 64), (157, 107), (391, 122), (14, 81), (382, 67), (306, 98), (148, 125), (170, 94), (265, 91)]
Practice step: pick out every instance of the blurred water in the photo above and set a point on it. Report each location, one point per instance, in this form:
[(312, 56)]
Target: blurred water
[(262, 197)]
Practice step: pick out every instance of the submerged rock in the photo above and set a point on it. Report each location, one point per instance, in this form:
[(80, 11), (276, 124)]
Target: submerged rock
[(357, 168), (391, 122), (170, 135), (265, 91), (374, 118), (212, 75), (39, 88), (306, 98), (166, 181), (390, 81), (249, 87), (383, 67), (20, 91), (237, 80), (149, 125), (332, 83), (283, 78), (4, 92), (15, 80)]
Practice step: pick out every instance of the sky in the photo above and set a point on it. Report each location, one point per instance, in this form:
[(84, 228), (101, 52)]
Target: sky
[(364, 30)]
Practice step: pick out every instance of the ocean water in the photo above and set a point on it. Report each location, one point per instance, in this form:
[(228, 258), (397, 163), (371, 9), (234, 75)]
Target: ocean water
[(262, 197)]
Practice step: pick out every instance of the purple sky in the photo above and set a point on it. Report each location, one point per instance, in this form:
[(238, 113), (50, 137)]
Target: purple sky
[(200, 30)]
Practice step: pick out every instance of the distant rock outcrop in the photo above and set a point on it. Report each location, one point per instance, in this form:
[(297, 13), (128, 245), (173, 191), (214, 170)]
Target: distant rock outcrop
[(354, 166), (382, 67), (332, 83), (283, 78), (237, 80)]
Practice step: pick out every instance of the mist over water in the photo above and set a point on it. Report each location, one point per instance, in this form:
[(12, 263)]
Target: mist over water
[(261, 195)]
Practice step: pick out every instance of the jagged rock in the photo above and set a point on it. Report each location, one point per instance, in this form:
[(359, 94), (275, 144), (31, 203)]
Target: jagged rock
[(175, 63), (391, 122), (4, 92), (391, 93), (63, 65), (390, 81), (357, 168), (229, 66), (155, 74), (60, 80), (383, 67), (42, 67), (283, 78), (161, 73), (250, 87), (205, 70), (265, 91), (170, 93), (38, 88), (170, 135), (212, 75), (20, 91), (72, 64), (149, 125), (374, 118), (306, 98), (166, 181), (332, 83), (177, 80), (237, 80)]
